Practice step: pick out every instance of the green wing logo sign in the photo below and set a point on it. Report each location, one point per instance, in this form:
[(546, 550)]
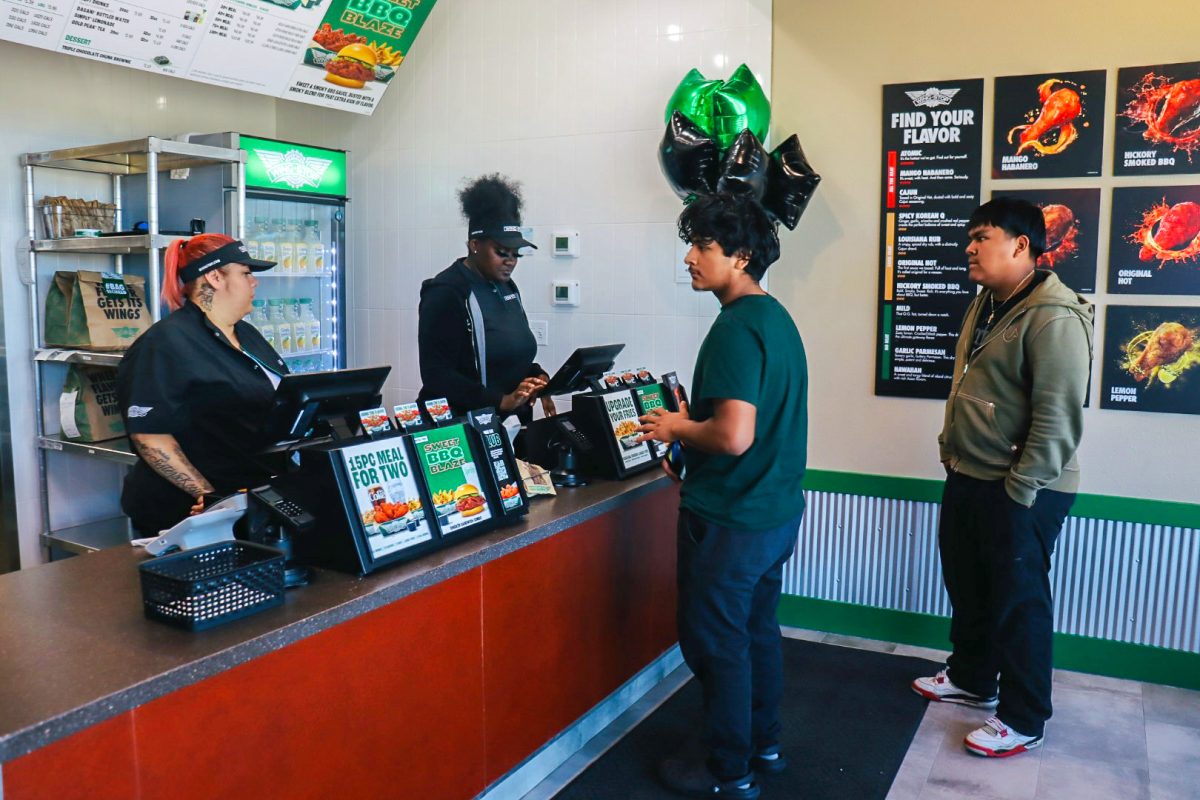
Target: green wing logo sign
[(293, 168), (126, 332)]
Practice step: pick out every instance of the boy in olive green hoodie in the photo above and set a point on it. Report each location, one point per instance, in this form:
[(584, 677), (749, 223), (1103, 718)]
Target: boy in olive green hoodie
[(1013, 423)]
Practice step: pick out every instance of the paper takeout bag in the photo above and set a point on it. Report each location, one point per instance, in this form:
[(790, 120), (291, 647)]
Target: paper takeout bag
[(88, 409), (95, 310)]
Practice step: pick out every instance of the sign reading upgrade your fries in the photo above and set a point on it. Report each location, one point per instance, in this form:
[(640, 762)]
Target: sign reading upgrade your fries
[(386, 496), (335, 53), (452, 478), (356, 51)]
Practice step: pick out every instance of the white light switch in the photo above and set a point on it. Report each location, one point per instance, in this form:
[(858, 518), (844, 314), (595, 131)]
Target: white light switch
[(541, 332)]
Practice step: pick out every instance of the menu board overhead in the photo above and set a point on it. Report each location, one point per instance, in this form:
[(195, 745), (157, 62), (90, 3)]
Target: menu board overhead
[(932, 157), (335, 53)]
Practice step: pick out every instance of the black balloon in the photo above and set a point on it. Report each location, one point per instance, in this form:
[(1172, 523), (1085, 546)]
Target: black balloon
[(791, 182), (744, 169), (688, 157)]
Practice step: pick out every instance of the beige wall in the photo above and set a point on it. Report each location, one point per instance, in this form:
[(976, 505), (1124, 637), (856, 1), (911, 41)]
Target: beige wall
[(829, 62)]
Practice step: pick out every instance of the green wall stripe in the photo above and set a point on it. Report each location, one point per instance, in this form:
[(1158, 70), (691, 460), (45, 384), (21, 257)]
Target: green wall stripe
[(1079, 653), (925, 490)]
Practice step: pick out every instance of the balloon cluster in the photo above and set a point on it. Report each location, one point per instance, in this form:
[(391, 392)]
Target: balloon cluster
[(713, 143)]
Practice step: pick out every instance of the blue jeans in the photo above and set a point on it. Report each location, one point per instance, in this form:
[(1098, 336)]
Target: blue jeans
[(729, 587), (996, 564)]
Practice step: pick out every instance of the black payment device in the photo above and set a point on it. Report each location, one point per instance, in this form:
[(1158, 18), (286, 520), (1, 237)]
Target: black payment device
[(274, 520)]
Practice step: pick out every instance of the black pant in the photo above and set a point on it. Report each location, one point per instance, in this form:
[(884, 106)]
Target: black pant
[(729, 586), (996, 564)]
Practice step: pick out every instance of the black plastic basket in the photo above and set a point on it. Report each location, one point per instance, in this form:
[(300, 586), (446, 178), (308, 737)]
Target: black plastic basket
[(200, 588)]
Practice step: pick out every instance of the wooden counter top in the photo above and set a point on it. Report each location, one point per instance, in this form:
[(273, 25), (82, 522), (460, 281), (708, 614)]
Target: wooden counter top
[(75, 648)]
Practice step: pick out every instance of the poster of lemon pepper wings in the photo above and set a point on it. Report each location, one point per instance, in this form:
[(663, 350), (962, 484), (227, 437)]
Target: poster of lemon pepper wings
[(281, 48), (1152, 359), (355, 51)]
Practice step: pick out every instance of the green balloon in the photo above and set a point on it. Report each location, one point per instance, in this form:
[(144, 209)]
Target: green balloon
[(737, 105), (723, 109), (693, 98)]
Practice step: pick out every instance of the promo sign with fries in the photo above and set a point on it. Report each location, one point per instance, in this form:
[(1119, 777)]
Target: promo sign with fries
[(356, 50), (336, 53)]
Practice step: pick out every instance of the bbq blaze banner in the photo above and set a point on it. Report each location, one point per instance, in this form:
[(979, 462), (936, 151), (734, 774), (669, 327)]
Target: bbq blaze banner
[(932, 163)]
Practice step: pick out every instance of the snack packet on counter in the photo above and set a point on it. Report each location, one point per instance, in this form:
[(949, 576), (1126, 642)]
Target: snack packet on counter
[(536, 479)]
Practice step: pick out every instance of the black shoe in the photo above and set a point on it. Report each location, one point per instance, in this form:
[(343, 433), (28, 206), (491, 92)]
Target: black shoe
[(768, 761), (693, 779)]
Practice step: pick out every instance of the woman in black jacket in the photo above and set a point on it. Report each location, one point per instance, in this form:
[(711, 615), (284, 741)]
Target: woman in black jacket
[(475, 345)]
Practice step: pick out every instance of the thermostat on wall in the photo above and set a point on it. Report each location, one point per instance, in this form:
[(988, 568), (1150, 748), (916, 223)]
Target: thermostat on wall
[(566, 243), (566, 293)]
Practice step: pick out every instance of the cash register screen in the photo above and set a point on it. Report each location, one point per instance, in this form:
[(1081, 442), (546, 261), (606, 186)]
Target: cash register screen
[(315, 404)]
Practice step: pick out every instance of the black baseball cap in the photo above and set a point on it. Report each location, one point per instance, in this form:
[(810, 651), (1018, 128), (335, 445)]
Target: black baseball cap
[(233, 253), (506, 233)]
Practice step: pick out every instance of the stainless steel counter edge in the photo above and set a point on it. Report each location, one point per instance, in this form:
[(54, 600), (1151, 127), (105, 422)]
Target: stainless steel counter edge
[(358, 596)]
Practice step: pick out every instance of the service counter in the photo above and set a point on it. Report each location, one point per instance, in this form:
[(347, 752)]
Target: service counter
[(429, 679)]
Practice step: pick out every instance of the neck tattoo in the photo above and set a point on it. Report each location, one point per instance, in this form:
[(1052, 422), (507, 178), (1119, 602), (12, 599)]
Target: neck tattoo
[(1011, 295)]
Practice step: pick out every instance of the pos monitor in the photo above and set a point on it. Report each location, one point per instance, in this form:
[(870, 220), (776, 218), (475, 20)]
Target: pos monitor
[(318, 404), (584, 363)]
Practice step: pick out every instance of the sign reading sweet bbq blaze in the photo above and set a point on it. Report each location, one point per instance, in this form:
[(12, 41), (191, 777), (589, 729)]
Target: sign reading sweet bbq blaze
[(932, 160)]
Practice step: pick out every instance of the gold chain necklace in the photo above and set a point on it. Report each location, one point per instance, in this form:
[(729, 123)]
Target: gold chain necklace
[(1011, 295)]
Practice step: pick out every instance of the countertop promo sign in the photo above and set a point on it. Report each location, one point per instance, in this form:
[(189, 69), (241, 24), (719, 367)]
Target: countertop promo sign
[(335, 53)]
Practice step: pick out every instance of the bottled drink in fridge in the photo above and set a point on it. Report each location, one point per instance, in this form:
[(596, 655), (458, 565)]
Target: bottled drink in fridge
[(254, 239), (283, 327), (266, 242)]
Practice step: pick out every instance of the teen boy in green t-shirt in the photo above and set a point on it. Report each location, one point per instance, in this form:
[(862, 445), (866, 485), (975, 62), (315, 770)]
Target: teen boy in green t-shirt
[(745, 438)]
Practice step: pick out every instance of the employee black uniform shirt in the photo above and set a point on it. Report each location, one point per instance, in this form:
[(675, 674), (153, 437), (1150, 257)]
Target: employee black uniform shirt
[(185, 378), (470, 367)]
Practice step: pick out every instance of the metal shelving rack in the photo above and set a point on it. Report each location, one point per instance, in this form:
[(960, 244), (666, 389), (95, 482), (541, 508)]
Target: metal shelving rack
[(149, 157)]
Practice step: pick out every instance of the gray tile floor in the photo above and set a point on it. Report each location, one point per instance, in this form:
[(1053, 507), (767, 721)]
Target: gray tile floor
[(1109, 739)]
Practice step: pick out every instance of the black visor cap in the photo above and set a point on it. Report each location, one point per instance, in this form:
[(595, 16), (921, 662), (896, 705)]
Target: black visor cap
[(233, 253)]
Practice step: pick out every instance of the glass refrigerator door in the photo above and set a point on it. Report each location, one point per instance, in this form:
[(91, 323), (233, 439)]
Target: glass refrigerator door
[(298, 304)]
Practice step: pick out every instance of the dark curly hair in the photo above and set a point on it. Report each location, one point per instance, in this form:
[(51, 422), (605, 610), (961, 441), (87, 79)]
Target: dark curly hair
[(737, 223), (491, 197)]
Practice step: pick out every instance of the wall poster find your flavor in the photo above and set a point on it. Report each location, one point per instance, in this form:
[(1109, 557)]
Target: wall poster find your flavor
[(386, 496)]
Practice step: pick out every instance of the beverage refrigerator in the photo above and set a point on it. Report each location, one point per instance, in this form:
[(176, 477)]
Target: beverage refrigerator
[(294, 213)]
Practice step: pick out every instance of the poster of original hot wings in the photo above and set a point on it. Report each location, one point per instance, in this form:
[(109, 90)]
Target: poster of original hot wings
[(1154, 242), (1152, 359), (1072, 224), (1158, 120), (1049, 125)]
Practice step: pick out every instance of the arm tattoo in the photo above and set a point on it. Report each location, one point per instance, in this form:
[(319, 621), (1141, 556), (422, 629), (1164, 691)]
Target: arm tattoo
[(175, 467)]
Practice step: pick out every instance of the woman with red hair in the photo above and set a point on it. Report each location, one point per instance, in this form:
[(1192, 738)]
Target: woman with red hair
[(195, 388)]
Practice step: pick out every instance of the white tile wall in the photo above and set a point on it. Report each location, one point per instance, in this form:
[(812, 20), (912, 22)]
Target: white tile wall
[(565, 96), (568, 98)]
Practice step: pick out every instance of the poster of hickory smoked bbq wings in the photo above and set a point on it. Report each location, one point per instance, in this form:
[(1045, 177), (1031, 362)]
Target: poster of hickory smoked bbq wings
[(1152, 359), (1154, 242), (1049, 125), (1157, 120), (1072, 232)]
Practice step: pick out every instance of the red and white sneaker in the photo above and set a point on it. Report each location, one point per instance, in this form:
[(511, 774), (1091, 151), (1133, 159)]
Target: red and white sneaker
[(997, 740), (939, 688)]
